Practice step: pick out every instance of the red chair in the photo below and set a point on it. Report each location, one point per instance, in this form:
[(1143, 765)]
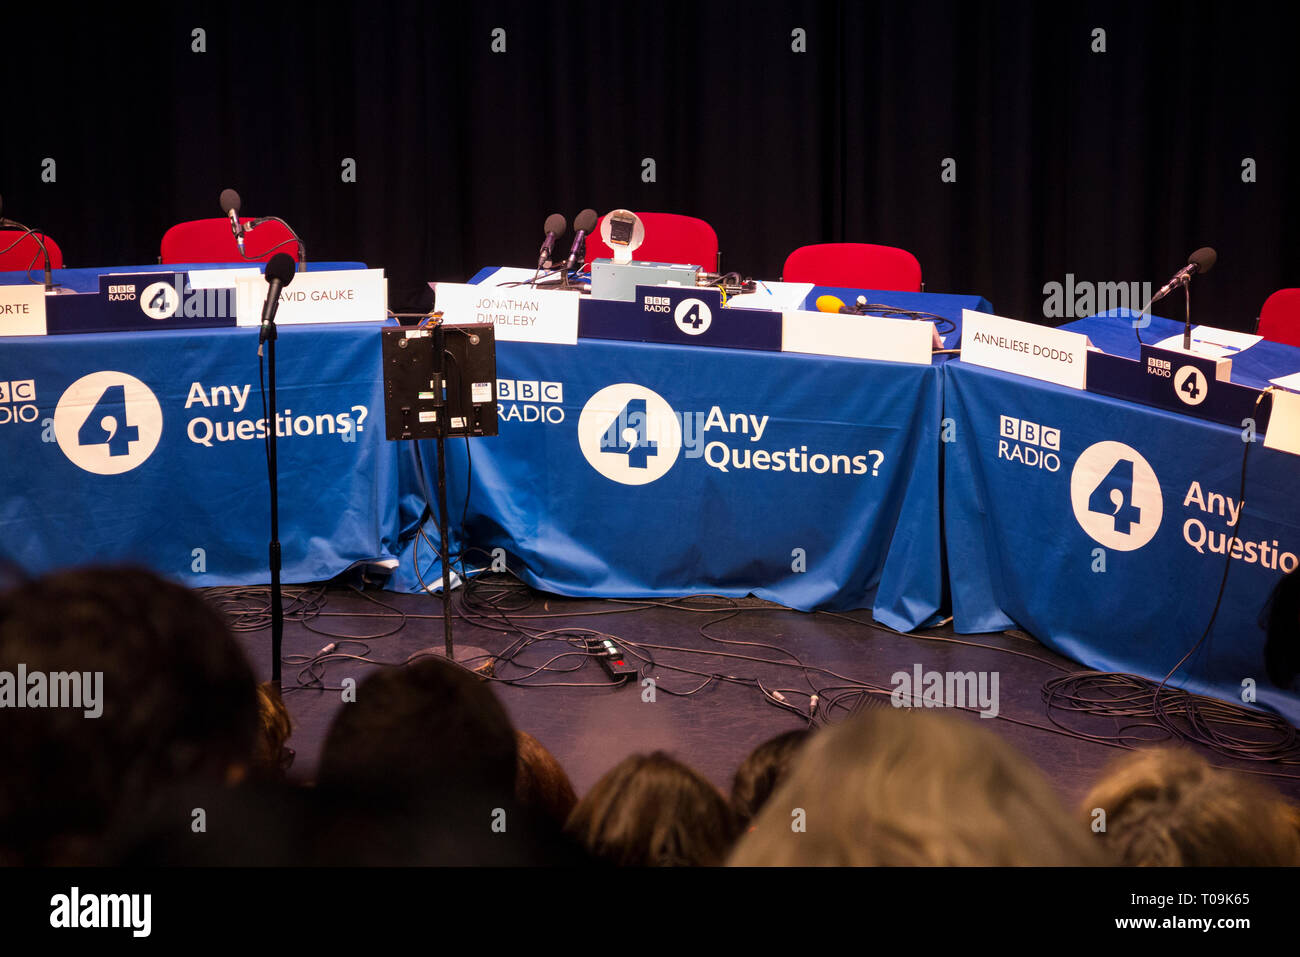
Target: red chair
[(854, 266), (669, 238), (28, 252), (1279, 320), (211, 241)]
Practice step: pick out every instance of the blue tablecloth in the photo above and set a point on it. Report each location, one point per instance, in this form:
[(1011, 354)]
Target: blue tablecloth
[(769, 485), (1099, 527), (81, 480)]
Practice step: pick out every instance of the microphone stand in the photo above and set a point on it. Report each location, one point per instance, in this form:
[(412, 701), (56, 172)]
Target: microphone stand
[(468, 653), (302, 247), (269, 335), (1187, 323), (40, 241), (439, 346)]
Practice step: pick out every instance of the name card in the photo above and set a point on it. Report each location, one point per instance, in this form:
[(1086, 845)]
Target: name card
[(1284, 424), (342, 295), (1025, 348), (859, 337), (519, 315), (22, 310)]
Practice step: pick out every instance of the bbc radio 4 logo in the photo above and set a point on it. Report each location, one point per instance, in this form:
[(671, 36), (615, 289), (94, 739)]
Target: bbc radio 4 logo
[(108, 423), (1029, 443), (629, 434), (18, 401), (530, 400)]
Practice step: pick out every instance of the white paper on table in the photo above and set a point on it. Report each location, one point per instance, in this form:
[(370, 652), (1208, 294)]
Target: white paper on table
[(1291, 381), (777, 296), (510, 275), (221, 278), (1212, 342)]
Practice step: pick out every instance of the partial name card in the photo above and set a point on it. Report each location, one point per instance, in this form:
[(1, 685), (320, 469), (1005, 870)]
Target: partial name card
[(22, 310), (1025, 348), (519, 315), (859, 337), (1284, 423)]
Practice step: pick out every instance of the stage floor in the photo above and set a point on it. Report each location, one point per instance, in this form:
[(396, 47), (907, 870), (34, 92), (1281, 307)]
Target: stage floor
[(710, 724)]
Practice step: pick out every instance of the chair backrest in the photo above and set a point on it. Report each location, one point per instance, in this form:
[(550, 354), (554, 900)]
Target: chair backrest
[(854, 266), (211, 241), (1279, 320), (669, 238), (28, 252)]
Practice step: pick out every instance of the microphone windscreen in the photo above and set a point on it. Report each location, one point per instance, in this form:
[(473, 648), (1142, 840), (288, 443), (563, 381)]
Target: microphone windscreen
[(586, 221), (829, 304), (1203, 259), (555, 223), (229, 201), (281, 267)]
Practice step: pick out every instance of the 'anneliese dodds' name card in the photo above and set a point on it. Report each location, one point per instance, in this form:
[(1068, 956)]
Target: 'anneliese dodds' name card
[(519, 315), (22, 310), (1024, 348), (330, 295)]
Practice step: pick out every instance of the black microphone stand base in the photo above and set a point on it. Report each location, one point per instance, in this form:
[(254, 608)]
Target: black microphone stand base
[(471, 658)]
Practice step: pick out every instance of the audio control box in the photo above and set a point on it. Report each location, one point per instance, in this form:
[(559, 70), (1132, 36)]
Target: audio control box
[(618, 281)]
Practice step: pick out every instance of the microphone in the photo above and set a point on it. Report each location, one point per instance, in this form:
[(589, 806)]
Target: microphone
[(230, 206), (833, 304), (555, 227), (583, 224), (1199, 262), (279, 273)]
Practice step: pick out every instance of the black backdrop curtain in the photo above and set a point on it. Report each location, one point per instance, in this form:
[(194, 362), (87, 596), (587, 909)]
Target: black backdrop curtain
[(1108, 166)]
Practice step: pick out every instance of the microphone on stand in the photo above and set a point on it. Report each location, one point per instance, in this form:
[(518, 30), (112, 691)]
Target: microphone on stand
[(555, 227), (583, 224), (279, 273), (230, 206), (1199, 262)]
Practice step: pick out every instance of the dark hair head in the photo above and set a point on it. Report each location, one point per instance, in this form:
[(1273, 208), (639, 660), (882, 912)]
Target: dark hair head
[(540, 781), (761, 772), (177, 696), (1168, 807), (417, 729), (652, 810)]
